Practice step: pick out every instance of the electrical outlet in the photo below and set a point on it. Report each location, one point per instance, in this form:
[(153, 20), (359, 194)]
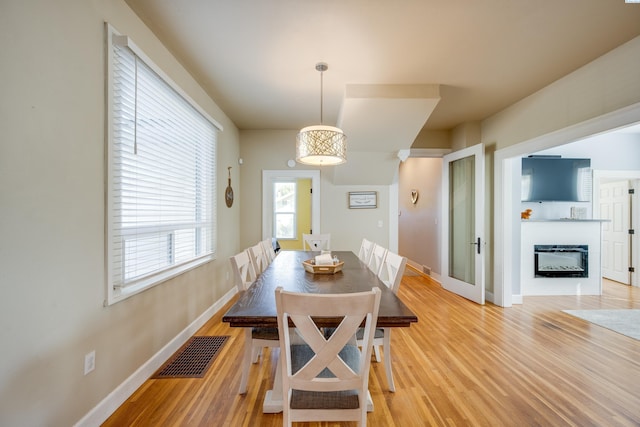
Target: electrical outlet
[(89, 362)]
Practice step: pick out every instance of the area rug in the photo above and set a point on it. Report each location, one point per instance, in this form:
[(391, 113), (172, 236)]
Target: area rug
[(193, 359), (624, 321)]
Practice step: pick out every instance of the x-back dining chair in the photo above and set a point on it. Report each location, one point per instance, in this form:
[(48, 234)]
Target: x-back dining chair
[(259, 257), (243, 270), (254, 338), (267, 244), (325, 379), (391, 275), (365, 250), (316, 242), (378, 253)]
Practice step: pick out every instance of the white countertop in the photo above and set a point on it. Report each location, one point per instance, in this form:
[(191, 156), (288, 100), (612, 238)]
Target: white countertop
[(566, 220)]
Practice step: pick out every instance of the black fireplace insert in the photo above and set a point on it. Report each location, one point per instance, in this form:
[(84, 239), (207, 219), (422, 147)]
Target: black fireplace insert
[(561, 260)]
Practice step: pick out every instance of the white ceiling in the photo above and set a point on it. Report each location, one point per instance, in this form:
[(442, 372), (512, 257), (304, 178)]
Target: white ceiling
[(256, 58), (396, 67)]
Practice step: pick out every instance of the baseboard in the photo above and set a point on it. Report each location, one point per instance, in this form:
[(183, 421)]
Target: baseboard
[(488, 296), (516, 299), (117, 397)]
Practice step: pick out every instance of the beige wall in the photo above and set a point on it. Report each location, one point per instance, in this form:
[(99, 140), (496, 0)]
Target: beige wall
[(270, 150), (419, 223), (607, 84), (52, 272)]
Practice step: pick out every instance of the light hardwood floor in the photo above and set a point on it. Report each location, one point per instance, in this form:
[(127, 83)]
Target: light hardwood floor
[(461, 365)]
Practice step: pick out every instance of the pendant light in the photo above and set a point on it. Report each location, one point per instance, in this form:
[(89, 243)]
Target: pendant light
[(321, 145)]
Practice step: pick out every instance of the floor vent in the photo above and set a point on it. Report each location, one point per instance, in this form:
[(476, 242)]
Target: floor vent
[(193, 359)]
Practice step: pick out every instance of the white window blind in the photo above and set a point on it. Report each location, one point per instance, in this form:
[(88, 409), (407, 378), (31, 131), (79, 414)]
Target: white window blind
[(162, 187)]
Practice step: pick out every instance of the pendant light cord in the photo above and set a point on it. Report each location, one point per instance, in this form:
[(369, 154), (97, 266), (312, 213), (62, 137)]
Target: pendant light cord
[(321, 93)]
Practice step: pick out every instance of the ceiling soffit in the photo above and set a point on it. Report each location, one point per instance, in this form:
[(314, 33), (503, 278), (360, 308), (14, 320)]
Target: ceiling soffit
[(379, 121)]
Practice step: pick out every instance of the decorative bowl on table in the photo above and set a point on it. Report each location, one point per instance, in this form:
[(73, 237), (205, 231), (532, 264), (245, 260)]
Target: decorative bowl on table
[(311, 267)]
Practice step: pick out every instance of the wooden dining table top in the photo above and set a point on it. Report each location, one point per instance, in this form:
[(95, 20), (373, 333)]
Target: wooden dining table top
[(256, 306)]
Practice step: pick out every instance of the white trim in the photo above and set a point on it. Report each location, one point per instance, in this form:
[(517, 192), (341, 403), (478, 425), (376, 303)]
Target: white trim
[(503, 201), (394, 213), (429, 152), (120, 394), (268, 176)]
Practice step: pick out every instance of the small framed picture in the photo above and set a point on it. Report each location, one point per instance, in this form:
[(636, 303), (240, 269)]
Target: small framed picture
[(363, 200)]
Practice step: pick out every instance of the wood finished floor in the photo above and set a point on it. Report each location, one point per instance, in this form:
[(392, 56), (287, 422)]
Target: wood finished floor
[(461, 365)]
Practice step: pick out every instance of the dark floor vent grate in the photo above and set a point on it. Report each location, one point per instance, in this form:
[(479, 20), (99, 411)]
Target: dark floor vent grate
[(193, 359)]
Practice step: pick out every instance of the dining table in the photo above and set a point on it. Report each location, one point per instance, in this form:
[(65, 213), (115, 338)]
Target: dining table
[(256, 307)]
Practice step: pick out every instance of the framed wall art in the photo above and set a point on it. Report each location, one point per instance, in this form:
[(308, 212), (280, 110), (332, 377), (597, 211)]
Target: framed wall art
[(363, 200)]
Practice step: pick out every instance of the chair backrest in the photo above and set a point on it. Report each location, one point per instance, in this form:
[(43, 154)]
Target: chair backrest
[(378, 253), (392, 270), (243, 270), (259, 257), (316, 242), (365, 250), (312, 363), (267, 244)]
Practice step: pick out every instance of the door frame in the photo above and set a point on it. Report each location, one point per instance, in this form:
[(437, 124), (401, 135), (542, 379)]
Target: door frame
[(506, 250), (268, 177)]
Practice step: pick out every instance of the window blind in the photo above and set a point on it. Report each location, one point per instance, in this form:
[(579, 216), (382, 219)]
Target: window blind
[(162, 176)]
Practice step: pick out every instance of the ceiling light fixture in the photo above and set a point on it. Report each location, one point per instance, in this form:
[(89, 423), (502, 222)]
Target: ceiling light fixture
[(321, 145)]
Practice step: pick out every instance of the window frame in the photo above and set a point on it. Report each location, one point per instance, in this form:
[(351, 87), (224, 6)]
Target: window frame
[(118, 293)]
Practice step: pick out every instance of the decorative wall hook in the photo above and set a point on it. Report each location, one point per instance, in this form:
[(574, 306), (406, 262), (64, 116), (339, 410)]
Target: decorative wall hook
[(228, 193)]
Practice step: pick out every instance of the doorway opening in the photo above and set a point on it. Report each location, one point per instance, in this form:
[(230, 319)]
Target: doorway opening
[(269, 179), (506, 259)]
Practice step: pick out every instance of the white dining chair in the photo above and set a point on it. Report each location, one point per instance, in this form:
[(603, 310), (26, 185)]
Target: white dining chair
[(378, 253), (258, 257), (316, 242), (325, 379), (244, 271), (365, 251), (267, 244), (391, 275), (255, 339)]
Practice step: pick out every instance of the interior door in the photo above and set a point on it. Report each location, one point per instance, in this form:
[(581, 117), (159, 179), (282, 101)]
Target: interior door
[(614, 206), (463, 223)]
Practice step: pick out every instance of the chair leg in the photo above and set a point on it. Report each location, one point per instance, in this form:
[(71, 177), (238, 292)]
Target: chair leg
[(376, 351), (387, 359), (255, 353), (246, 361)]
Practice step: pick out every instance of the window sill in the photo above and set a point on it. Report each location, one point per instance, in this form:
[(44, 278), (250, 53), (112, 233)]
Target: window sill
[(120, 294)]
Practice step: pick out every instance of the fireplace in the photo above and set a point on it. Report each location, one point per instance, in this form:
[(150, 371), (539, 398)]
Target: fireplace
[(561, 260)]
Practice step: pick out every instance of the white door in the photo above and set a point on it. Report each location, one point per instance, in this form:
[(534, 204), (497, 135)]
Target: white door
[(614, 206), (463, 223)]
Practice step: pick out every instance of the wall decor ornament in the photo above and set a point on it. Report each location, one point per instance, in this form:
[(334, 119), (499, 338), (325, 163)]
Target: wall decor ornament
[(414, 196), (363, 200), (228, 193)]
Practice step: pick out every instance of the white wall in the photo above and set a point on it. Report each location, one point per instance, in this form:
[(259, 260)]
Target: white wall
[(52, 272)]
